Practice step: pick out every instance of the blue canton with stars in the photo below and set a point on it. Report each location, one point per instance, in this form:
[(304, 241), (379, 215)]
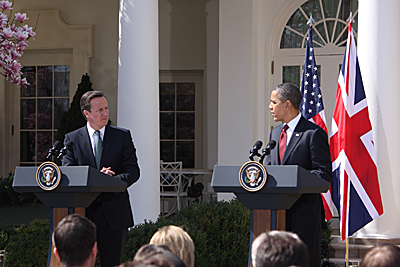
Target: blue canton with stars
[(311, 104)]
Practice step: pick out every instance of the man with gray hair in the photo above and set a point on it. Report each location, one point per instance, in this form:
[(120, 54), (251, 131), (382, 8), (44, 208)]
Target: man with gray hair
[(279, 249)]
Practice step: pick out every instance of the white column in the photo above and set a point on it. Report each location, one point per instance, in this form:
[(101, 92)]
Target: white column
[(379, 58), (138, 104)]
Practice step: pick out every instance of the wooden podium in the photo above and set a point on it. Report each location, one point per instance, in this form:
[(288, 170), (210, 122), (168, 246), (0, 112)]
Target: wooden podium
[(285, 184), (78, 188)]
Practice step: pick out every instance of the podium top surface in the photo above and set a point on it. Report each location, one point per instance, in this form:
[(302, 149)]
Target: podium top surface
[(291, 179), (73, 179)]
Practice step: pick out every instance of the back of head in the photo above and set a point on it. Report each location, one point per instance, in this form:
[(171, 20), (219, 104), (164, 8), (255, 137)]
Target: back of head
[(74, 238), (178, 241), (153, 255), (281, 249), (382, 255)]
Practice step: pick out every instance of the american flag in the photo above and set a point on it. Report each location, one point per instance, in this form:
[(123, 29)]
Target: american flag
[(355, 185), (312, 107)]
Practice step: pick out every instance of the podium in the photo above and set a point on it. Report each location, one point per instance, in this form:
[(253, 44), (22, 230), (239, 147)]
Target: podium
[(284, 186), (78, 188)]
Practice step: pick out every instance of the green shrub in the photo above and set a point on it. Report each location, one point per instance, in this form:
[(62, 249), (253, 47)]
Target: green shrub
[(220, 232), (5, 234), (29, 245), (9, 197)]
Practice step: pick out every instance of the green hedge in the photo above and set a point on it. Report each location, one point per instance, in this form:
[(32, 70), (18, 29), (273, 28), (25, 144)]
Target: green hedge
[(220, 232), (8, 197)]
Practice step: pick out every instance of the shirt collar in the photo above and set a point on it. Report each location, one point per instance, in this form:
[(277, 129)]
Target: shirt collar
[(91, 131), (293, 123)]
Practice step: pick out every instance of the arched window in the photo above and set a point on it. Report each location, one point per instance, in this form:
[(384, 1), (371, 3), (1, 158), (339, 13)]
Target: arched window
[(330, 23)]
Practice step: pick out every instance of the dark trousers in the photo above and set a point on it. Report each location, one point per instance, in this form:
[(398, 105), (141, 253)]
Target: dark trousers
[(304, 219), (111, 243)]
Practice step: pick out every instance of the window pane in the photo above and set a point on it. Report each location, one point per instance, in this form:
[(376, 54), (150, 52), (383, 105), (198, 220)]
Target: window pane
[(61, 80), (167, 125), (330, 8), (185, 125), (290, 39), (30, 74), (45, 81), (185, 97), (28, 113), (167, 96), (167, 149), (44, 143), (312, 7), (298, 22), (291, 74), (185, 153), (61, 105), (45, 113), (27, 147)]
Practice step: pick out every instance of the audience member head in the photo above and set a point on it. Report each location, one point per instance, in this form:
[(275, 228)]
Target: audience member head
[(279, 249), (74, 241), (178, 241), (382, 255), (160, 256)]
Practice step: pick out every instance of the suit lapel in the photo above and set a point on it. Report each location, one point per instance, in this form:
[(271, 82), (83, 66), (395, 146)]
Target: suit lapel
[(87, 146), (294, 140), (107, 141)]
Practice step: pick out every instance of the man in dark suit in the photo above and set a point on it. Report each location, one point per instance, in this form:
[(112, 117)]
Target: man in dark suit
[(306, 146), (110, 150)]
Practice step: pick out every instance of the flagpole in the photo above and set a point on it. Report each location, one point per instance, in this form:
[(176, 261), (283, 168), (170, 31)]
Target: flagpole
[(346, 257)]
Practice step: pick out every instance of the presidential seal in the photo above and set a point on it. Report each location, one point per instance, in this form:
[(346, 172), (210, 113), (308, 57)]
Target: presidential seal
[(48, 176), (252, 176)]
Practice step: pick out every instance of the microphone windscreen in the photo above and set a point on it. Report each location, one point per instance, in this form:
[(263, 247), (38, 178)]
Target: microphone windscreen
[(258, 144), (57, 144), (272, 144)]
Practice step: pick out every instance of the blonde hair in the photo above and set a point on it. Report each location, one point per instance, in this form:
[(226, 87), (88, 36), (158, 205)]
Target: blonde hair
[(178, 241)]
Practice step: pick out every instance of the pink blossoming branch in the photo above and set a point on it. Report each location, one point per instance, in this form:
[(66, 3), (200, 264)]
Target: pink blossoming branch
[(14, 37)]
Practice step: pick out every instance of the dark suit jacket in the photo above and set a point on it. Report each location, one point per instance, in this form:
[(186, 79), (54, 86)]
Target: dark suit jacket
[(308, 148), (119, 153)]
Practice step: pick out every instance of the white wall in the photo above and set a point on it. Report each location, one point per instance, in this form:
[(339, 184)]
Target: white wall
[(379, 58)]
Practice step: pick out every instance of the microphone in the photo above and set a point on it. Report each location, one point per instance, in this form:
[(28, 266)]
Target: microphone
[(254, 150), (52, 152), (267, 150), (64, 150)]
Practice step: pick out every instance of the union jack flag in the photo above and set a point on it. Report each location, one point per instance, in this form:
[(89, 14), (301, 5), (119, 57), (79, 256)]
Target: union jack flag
[(312, 107), (355, 185)]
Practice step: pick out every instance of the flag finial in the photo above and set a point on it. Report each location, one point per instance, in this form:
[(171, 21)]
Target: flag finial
[(350, 18), (311, 21)]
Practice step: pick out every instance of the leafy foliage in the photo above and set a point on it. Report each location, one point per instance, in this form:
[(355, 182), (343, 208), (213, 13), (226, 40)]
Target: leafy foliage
[(220, 232), (5, 234), (73, 118), (29, 245), (9, 197)]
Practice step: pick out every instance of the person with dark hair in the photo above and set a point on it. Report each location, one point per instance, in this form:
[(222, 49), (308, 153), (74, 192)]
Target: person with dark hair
[(303, 143), (74, 241), (157, 255), (279, 249), (382, 255), (110, 150)]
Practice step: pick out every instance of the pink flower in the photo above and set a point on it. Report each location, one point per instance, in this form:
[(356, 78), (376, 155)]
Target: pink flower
[(7, 33), (5, 5), (22, 36), (15, 66), (21, 17), (14, 54)]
